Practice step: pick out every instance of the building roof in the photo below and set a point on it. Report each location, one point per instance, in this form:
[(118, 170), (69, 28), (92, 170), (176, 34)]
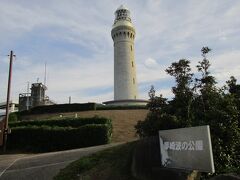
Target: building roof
[(4, 104), (122, 7)]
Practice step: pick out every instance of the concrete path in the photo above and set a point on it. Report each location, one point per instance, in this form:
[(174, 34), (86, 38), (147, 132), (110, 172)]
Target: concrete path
[(42, 166)]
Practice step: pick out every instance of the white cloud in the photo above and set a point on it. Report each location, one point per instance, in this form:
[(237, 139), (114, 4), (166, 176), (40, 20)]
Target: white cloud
[(226, 65), (150, 63), (145, 74), (166, 92)]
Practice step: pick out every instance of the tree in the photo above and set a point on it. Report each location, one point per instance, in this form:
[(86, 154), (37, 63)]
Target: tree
[(158, 117), (183, 91), (212, 107), (200, 104), (205, 84), (233, 87)]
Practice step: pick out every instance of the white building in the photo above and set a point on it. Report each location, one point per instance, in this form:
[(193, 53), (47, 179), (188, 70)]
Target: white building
[(125, 80), (13, 107)]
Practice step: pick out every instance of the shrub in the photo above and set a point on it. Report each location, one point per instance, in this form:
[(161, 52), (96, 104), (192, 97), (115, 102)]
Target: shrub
[(108, 107), (59, 134), (45, 138), (13, 117), (71, 122), (60, 108)]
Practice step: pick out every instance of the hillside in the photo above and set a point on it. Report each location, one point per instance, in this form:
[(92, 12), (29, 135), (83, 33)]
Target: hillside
[(123, 120)]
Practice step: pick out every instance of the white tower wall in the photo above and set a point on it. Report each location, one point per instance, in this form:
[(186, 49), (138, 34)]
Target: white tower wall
[(123, 34)]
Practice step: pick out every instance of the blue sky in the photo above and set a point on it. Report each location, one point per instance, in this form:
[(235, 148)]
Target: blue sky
[(74, 38)]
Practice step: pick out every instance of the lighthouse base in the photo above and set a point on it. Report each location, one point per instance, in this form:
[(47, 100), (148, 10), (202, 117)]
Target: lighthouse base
[(127, 102)]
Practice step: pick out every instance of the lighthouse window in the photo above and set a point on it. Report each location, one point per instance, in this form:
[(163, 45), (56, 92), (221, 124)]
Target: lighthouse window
[(132, 64), (133, 81), (131, 47)]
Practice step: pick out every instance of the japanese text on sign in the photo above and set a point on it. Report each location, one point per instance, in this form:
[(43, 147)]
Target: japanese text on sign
[(184, 145)]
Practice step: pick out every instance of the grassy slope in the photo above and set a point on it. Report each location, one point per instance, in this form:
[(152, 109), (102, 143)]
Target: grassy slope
[(123, 121), (114, 163)]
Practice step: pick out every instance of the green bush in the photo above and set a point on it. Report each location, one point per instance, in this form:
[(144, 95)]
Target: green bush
[(13, 117), (59, 134), (109, 107), (60, 108), (71, 122), (45, 138)]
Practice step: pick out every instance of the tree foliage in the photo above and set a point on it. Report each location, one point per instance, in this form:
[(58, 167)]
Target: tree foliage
[(198, 101)]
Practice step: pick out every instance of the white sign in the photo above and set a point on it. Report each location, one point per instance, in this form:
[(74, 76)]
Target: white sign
[(187, 148)]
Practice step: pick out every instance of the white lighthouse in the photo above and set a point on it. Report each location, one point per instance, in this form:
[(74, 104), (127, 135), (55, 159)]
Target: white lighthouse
[(125, 80), (123, 34)]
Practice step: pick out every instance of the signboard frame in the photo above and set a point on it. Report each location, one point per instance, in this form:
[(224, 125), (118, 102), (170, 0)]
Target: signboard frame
[(187, 148)]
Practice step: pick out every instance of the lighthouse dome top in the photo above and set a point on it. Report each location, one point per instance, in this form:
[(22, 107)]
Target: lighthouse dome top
[(122, 17), (122, 7)]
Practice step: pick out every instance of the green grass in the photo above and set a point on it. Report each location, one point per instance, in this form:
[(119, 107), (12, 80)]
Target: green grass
[(114, 163)]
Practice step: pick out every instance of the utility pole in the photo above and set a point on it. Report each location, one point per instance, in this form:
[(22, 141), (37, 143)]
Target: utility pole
[(6, 130), (28, 95)]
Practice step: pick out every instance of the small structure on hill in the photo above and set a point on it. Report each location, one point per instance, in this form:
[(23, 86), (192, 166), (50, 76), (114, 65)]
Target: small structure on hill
[(13, 107), (37, 97)]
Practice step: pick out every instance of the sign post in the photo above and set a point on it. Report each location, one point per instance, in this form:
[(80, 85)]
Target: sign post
[(187, 148)]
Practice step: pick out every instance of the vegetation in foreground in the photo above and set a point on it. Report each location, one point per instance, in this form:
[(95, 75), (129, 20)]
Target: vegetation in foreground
[(114, 163), (59, 134), (198, 101)]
